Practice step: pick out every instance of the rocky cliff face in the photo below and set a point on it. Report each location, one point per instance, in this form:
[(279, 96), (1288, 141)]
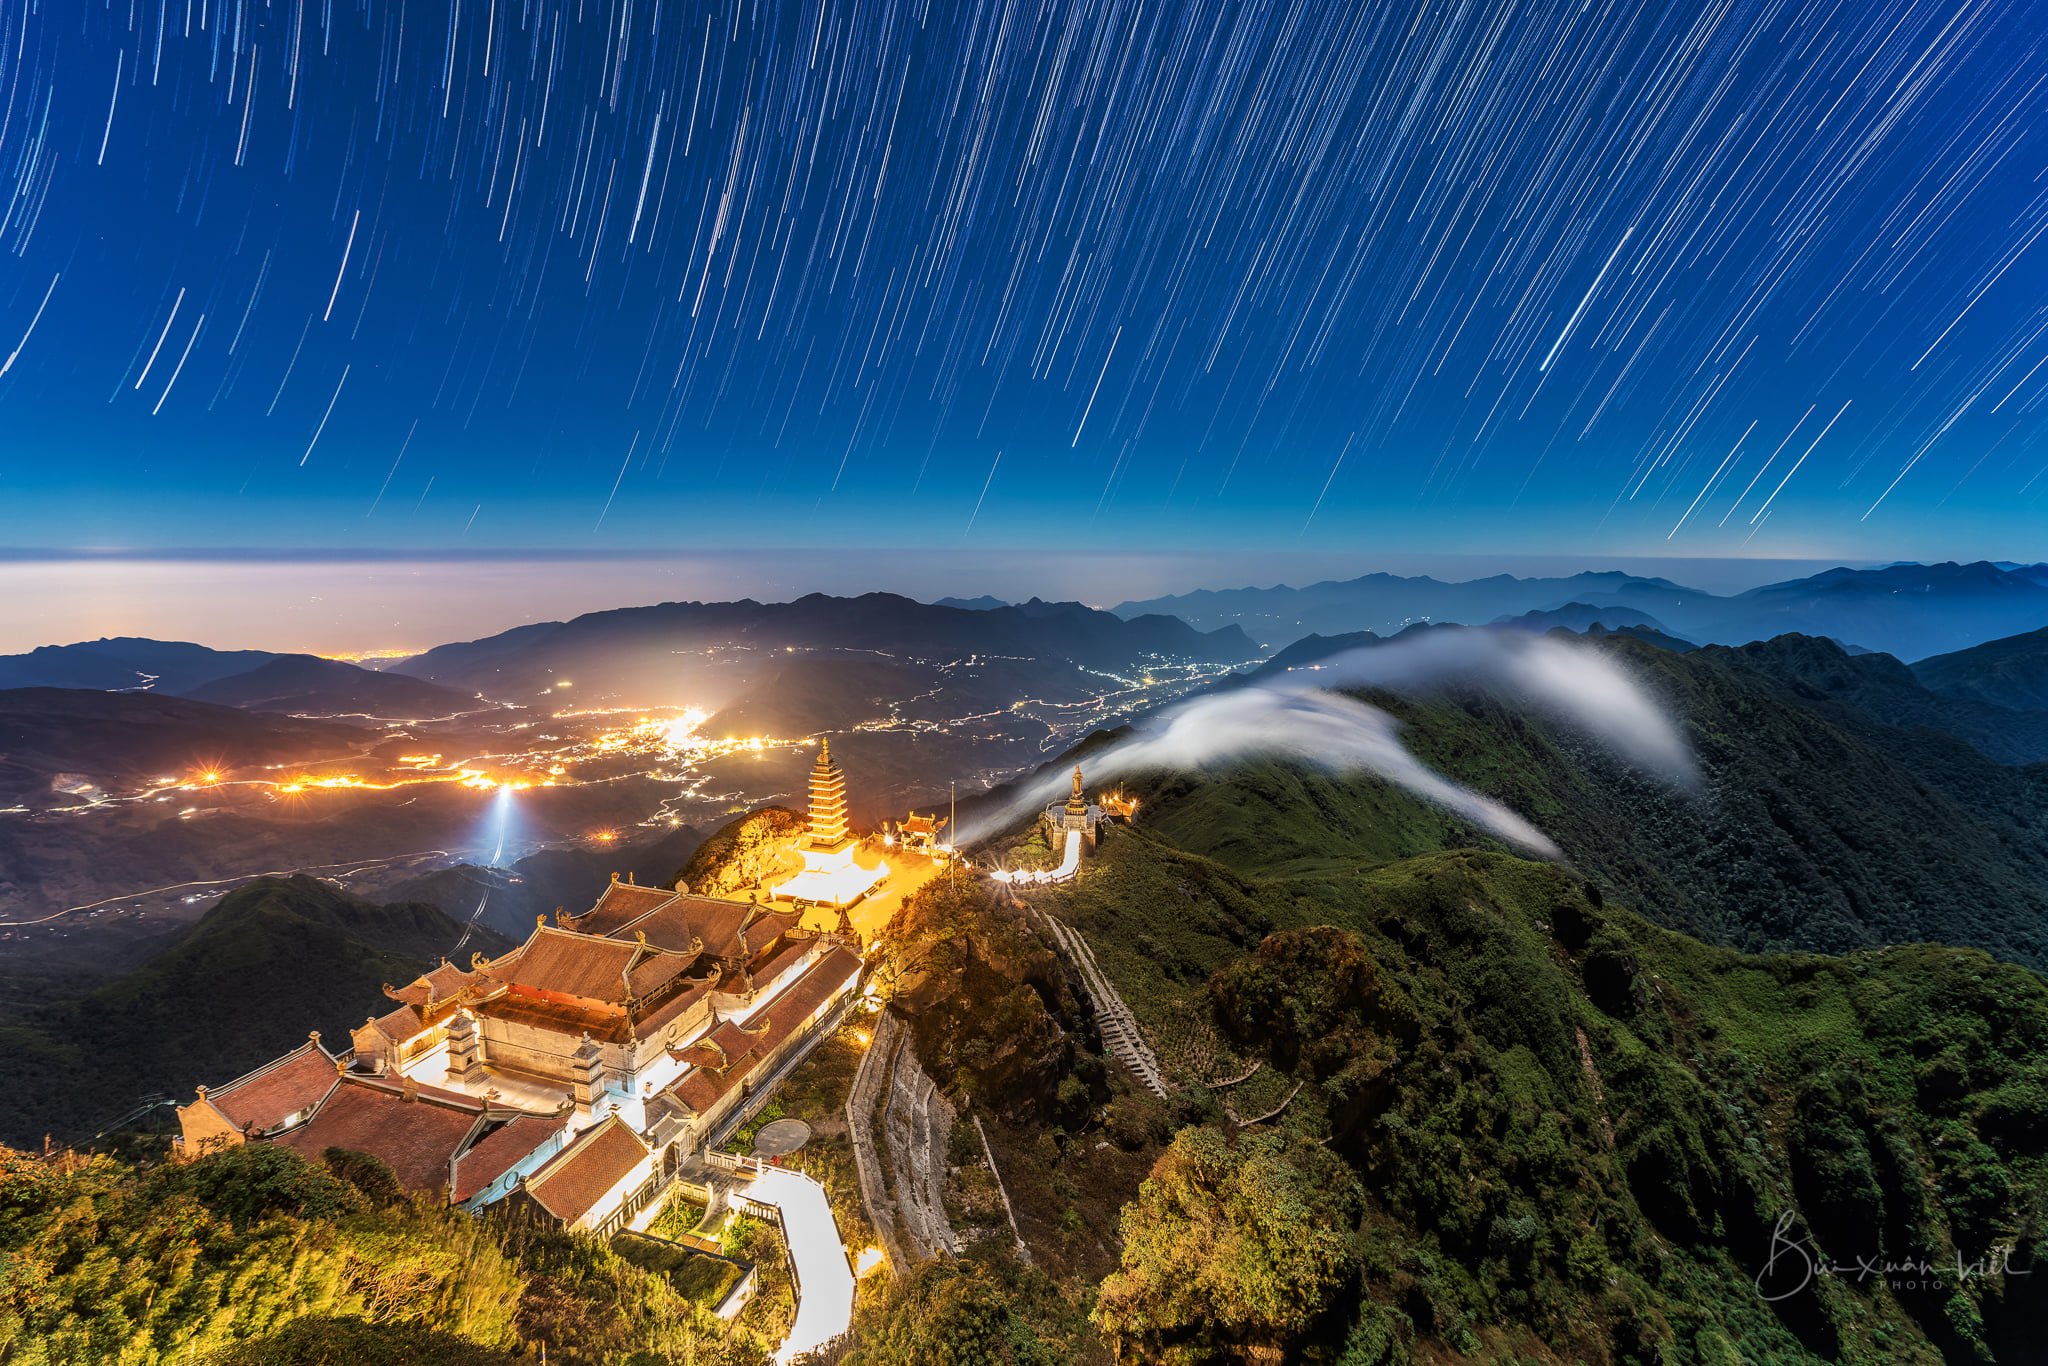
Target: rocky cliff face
[(995, 1016)]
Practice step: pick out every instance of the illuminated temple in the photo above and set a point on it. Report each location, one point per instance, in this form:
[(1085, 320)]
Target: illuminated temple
[(831, 874), (576, 1071)]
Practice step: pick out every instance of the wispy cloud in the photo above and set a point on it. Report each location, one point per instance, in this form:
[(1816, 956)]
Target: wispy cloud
[(1310, 723)]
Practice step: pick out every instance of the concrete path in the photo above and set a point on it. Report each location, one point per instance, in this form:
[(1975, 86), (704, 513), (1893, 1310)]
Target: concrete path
[(824, 1274)]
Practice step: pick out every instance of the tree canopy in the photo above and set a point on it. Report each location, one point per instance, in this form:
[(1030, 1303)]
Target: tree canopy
[(1232, 1246)]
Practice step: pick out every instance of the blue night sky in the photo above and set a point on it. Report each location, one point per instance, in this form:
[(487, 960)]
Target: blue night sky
[(1719, 279)]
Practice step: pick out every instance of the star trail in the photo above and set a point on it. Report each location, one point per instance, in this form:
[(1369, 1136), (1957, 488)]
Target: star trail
[(1712, 277)]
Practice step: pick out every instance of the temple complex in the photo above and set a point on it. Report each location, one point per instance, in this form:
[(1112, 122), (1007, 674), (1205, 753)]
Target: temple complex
[(576, 1070)]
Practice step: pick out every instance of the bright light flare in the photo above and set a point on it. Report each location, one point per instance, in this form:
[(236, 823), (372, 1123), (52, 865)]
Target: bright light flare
[(869, 1262), (680, 733)]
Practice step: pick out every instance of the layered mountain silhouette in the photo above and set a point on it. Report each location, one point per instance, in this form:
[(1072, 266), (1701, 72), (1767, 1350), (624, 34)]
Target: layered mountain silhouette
[(1908, 610), (303, 684), (255, 680), (130, 740), (2009, 673), (697, 649)]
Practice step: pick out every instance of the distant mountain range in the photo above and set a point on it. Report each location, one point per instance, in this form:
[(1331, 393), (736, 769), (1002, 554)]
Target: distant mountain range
[(303, 684), (694, 651), (1584, 616), (126, 663), (254, 680), (1908, 610), (2009, 673)]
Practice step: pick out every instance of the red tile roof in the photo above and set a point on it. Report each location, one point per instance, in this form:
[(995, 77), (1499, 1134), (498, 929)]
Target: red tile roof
[(655, 1020), (656, 970), (571, 1182), (436, 984), (682, 922), (401, 1024), (770, 925), (701, 1088), (417, 1138), (497, 1153), (622, 903), (746, 1046), (265, 1098), (569, 963), (772, 966)]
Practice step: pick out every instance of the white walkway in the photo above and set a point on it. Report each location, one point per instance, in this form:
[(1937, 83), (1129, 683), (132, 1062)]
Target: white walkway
[(1026, 877), (824, 1273)]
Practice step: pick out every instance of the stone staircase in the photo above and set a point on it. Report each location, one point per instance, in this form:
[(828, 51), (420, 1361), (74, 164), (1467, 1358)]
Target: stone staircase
[(1119, 1028)]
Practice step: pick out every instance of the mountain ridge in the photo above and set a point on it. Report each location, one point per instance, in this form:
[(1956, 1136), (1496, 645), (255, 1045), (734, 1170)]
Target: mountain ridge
[(1909, 610)]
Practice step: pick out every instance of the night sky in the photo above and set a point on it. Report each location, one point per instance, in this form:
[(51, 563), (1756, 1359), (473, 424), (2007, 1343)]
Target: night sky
[(1701, 279)]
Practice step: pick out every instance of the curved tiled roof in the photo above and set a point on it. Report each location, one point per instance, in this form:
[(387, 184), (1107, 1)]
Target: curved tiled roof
[(416, 1135), (569, 963), (621, 904), (496, 1153), (571, 1182), (436, 984), (400, 1024), (261, 1100), (690, 924)]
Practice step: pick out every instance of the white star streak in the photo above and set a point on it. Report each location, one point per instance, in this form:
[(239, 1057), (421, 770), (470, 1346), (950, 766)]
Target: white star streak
[(324, 416)]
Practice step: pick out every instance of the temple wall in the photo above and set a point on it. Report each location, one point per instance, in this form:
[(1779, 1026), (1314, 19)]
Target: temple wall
[(369, 1042), (203, 1129), (526, 1048)]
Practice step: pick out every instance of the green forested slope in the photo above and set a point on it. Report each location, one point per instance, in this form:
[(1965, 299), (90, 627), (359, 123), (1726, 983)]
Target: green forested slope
[(274, 959), (1816, 826), (1562, 1132)]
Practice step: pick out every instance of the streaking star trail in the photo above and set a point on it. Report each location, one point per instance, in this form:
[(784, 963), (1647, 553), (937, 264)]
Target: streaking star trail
[(393, 274)]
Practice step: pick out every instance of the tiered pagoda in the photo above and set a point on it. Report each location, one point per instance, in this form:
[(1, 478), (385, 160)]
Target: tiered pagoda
[(831, 876), (828, 832)]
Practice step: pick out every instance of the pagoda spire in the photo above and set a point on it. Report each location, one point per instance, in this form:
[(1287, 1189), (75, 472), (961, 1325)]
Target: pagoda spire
[(828, 801)]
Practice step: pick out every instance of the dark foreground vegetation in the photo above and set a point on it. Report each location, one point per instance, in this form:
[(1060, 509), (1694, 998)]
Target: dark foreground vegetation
[(257, 1257)]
